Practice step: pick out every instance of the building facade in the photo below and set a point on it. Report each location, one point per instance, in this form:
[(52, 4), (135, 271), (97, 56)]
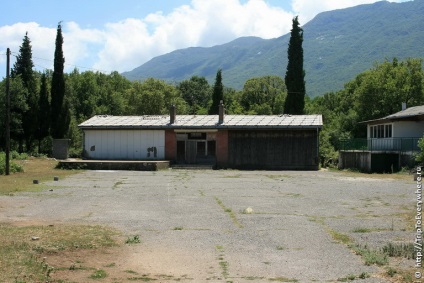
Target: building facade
[(390, 145), (227, 141)]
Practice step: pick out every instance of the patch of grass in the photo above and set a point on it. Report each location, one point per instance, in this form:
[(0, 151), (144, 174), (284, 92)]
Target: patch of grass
[(130, 271), (133, 240), (22, 258), (370, 256), (99, 274), (283, 279), (224, 266), (364, 275), (110, 264), (144, 278), (115, 186), (405, 250), (361, 230), (41, 169), (280, 248), (391, 272), (339, 237), (229, 211), (178, 228), (352, 277)]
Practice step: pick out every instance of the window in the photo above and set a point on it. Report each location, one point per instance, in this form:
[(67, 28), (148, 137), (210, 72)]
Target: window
[(388, 131), (381, 131)]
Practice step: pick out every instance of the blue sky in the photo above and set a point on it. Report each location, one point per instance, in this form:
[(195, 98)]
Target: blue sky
[(108, 35)]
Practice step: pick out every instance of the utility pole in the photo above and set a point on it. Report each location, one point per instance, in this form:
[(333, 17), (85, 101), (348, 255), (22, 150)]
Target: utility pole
[(8, 112)]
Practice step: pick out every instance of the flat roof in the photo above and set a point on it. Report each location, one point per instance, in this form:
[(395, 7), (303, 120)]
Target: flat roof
[(203, 122)]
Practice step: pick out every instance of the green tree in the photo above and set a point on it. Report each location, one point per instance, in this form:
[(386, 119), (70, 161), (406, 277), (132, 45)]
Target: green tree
[(60, 115), (217, 94), (264, 95), (295, 74), (420, 156), (23, 67), (44, 112), (18, 106), (153, 97), (196, 92), (381, 90)]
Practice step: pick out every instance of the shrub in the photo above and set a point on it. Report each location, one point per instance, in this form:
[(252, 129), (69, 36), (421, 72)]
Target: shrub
[(13, 167)]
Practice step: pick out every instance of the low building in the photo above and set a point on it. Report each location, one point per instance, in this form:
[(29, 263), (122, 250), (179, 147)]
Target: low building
[(225, 141), (391, 142)]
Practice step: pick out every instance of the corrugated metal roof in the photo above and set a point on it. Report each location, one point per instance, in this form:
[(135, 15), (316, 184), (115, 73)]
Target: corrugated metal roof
[(408, 113), (203, 121)]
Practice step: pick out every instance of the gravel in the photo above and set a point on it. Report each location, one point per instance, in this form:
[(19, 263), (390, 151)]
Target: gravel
[(193, 224)]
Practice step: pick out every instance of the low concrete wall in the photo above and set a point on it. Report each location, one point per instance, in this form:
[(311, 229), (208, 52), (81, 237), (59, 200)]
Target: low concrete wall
[(376, 161), (114, 165), (360, 160)]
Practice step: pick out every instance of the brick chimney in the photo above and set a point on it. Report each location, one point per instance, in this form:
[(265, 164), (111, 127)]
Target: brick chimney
[(172, 114), (221, 112)]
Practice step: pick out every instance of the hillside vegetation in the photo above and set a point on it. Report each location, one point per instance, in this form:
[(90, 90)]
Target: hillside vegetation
[(338, 45)]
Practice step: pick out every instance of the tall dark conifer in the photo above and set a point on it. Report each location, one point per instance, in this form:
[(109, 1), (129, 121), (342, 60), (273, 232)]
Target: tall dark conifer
[(43, 113), (295, 74), (59, 114), (23, 68), (217, 94)]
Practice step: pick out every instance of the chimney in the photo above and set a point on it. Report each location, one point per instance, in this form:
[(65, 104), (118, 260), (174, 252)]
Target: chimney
[(403, 106), (221, 112), (172, 114)]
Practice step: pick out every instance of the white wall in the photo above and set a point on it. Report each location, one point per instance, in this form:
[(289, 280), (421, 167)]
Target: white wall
[(408, 129), (124, 144)]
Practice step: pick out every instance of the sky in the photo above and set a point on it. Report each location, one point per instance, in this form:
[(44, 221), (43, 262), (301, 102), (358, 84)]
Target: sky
[(112, 35)]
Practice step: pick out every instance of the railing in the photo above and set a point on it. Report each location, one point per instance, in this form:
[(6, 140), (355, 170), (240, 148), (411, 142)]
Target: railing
[(383, 144)]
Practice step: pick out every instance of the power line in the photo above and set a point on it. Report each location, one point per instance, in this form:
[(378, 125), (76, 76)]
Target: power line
[(15, 54)]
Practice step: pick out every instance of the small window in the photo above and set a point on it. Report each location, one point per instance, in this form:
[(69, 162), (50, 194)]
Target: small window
[(381, 131), (388, 131)]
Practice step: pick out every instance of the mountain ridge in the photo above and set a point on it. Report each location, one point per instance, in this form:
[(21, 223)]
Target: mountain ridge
[(338, 45)]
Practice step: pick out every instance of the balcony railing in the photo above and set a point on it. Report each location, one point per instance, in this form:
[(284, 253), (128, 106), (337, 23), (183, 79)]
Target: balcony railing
[(383, 144)]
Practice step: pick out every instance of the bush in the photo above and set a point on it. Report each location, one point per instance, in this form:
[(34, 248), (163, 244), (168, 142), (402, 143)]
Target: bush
[(13, 168), (18, 156), (420, 155)]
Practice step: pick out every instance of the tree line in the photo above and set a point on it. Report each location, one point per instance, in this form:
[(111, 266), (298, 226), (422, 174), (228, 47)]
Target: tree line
[(51, 104)]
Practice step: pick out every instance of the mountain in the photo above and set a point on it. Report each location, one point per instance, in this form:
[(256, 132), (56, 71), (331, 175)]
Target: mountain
[(338, 45)]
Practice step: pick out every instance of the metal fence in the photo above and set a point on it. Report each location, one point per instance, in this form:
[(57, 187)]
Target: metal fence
[(386, 144)]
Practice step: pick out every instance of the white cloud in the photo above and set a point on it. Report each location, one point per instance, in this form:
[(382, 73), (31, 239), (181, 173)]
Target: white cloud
[(40, 38), (129, 43), (78, 43), (75, 48), (204, 23)]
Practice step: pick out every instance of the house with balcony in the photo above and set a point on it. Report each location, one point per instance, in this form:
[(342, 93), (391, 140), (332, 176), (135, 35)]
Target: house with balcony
[(391, 142)]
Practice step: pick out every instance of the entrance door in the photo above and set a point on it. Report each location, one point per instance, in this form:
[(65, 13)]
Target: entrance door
[(191, 152), (181, 151)]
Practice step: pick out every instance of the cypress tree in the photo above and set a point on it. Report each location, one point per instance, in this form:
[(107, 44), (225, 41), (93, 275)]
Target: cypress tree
[(59, 114), (295, 74), (23, 68), (43, 113), (217, 94)]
